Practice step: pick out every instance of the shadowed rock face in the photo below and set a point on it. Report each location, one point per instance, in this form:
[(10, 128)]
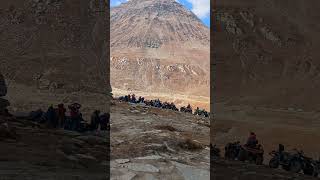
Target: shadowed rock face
[(3, 86), (55, 45), (3, 91), (159, 47), (268, 52)]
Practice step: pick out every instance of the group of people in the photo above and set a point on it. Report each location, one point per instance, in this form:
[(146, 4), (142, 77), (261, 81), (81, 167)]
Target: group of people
[(187, 109), (132, 99), (154, 103), (164, 105), (55, 117), (201, 112)]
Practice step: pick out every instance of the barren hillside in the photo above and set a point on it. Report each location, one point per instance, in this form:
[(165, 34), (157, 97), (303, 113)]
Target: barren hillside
[(159, 46), (54, 45), (266, 53)]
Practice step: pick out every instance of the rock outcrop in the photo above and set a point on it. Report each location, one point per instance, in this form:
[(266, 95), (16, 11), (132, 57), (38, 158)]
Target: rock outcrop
[(3, 92), (3, 86)]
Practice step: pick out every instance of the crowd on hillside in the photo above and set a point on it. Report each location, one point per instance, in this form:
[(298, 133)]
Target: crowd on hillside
[(164, 105), (55, 117)]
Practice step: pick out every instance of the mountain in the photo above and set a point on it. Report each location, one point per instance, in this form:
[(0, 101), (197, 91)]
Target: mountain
[(159, 49), (266, 53)]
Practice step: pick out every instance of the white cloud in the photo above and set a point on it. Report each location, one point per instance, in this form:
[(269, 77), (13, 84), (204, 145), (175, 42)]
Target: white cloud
[(201, 8), (117, 2)]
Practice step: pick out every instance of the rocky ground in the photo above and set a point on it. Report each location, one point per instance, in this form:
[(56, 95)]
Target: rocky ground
[(228, 170), (32, 151), (148, 143)]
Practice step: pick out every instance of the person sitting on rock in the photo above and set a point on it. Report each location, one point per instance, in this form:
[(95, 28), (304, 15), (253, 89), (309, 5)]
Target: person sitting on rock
[(126, 98), (121, 98), (75, 116), (188, 109), (133, 98), (252, 140), (95, 120), (129, 98), (197, 111), (104, 121), (206, 114)]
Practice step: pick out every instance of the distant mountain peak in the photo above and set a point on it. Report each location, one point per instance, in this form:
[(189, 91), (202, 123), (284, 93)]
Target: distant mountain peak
[(152, 23), (160, 48)]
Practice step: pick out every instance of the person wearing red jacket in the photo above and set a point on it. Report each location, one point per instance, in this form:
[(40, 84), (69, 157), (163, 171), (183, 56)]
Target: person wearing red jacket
[(252, 140), (75, 116)]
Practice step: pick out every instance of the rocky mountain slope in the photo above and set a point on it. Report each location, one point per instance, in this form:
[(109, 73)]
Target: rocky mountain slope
[(54, 45), (159, 46), (266, 53)]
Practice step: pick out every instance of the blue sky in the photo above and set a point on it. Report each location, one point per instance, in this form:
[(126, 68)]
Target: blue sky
[(201, 8)]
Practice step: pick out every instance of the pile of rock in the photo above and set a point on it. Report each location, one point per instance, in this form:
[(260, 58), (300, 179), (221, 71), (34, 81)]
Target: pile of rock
[(3, 92)]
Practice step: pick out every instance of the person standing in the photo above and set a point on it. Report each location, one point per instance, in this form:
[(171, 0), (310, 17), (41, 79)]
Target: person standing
[(61, 115)]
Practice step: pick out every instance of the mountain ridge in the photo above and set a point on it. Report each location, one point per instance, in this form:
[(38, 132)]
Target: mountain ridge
[(161, 47)]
